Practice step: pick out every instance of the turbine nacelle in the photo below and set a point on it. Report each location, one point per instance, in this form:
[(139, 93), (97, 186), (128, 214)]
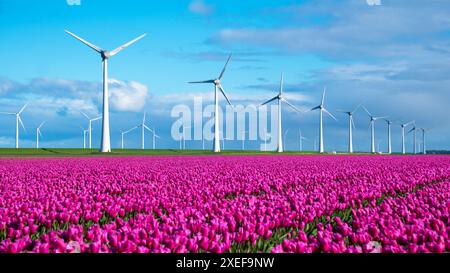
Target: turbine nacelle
[(105, 54), (216, 82)]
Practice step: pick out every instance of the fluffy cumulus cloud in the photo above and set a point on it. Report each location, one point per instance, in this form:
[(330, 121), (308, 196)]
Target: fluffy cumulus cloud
[(127, 96), (200, 7)]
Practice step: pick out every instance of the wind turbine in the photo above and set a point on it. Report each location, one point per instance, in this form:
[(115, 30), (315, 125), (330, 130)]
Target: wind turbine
[(155, 136), (85, 131), (351, 126), (424, 146), (389, 124), (281, 98), (301, 138), (38, 133), (90, 127), (217, 87), (372, 127), (143, 128), (18, 120), (106, 139), (403, 125), (322, 109), (126, 132), (414, 131)]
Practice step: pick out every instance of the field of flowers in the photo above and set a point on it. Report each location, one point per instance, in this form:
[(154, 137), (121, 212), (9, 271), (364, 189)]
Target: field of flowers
[(226, 204)]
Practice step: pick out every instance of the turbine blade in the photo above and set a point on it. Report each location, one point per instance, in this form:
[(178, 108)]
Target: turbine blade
[(21, 123), (269, 101), (315, 108), (145, 115), (5, 113), (96, 48), (295, 108), (281, 83), (97, 118), (85, 115), (42, 124), (367, 111), (331, 115), (357, 107), (223, 93), (120, 48), (353, 123), (323, 95), (22, 109), (225, 67), (208, 81)]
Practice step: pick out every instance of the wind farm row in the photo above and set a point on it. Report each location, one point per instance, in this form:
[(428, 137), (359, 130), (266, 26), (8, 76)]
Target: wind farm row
[(280, 99)]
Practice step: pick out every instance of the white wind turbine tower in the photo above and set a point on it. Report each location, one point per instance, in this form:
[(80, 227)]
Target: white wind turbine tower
[(351, 126), (372, 127), (18, 120), (217, 87), (281, 98), (424, 146), (301, 138), (389, 126), (414, 131), (90, 120), (403, 125), (322, 109), (38, 134), (106, 139), (155, 136), (85, 131), (144, 127)]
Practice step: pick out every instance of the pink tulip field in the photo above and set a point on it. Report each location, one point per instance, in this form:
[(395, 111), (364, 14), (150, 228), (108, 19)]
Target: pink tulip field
[(218, 204)]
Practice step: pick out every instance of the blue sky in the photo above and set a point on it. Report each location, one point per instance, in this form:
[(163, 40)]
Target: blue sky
[(394, 57)]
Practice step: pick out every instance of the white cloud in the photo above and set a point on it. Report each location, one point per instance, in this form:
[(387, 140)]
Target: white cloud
[(200, 7), (127, 96)]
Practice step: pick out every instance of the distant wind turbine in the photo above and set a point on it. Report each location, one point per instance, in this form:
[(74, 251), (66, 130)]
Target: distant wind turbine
[(281, 98), (18, 120), (414, 131), (85, 131), (90, 127), (373, 119), (106, 139), (351, 126), (125, 133), (424, 146), (38, 134), (403, 126), (155, 136), (143, 127), (218, 87), (301, 138), (322, 109), (389, 125)]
